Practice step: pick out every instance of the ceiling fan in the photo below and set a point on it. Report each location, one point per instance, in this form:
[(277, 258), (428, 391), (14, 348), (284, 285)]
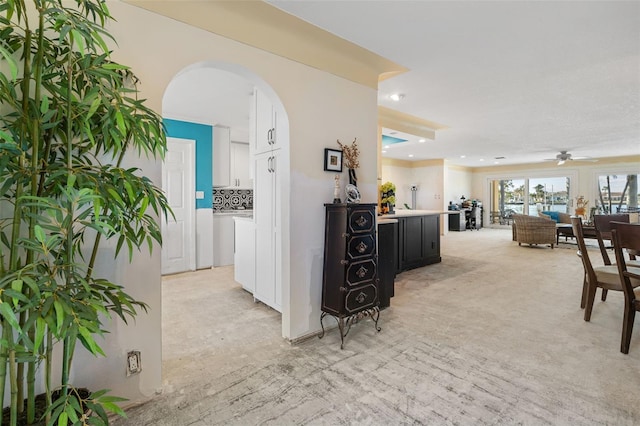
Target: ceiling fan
[(565, 156)]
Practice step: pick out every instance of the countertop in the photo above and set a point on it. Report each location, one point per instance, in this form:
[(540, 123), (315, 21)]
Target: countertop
[(383, 220), (407, 213), (246, 212)]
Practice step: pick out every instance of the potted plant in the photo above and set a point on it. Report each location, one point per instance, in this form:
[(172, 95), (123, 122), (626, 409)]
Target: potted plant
[(388, 200), (68, 115)]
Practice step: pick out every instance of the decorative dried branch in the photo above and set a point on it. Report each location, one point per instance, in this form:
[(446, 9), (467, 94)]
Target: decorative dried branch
[(350, 154)]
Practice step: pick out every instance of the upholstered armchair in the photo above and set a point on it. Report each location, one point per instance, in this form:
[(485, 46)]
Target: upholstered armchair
[(533, 230)]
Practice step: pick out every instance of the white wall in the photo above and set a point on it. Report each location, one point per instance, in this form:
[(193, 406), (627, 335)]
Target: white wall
[(401, 177), (320, 107), (458, 181)]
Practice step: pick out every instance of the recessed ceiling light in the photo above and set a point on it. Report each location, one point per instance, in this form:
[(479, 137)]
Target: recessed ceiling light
[(396, 97), (410, 155), (422, 140), (463, 156), (384, 152), (386, 147), (482, 159), (496, 162)]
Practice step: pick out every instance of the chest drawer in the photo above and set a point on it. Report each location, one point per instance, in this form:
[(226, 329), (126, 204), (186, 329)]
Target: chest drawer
[(361, 246), (360, 298)]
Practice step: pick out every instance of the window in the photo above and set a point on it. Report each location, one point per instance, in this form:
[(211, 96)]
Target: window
[(529, 196), (549, 194), (617, 193)]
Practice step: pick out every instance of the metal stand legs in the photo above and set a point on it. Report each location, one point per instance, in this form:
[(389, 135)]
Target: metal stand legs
[(345, 322)]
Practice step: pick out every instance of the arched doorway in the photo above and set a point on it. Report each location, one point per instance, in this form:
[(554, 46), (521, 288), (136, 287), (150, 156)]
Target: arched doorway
[(209, 94)]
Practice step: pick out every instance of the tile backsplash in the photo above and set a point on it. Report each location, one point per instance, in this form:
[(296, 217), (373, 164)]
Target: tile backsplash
[(230, 199)]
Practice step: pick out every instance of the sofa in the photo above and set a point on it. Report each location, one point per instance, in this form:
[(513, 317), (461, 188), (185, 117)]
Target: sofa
[(557, 217), (533, 230)]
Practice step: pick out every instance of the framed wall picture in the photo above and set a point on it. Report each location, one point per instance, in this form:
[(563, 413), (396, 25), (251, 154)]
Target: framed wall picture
[(332, 160)]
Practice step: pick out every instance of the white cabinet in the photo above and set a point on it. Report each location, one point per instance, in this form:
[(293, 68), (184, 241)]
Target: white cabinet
[(265, 120), (268, 283), (222, 239), (221, 156), (240, 165), (245, 253)]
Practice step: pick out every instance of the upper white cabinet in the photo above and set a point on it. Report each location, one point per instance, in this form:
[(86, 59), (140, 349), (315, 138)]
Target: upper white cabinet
[(221, 156), (240, 165), (265, 118)]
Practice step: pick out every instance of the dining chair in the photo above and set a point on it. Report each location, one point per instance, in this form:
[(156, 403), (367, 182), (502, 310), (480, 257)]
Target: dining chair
[(626, 236), (605, 277), (602, 224)]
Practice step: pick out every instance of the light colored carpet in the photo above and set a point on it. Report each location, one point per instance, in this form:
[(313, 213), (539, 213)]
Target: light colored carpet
[(492, 335)]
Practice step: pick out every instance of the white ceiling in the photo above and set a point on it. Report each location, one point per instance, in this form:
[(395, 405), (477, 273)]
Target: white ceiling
[(514, 79)]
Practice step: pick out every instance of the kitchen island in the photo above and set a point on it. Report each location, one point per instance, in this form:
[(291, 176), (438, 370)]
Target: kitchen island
[(418, 237)]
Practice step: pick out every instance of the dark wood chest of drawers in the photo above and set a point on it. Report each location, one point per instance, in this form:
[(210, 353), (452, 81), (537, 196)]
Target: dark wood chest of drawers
[(350, 277)]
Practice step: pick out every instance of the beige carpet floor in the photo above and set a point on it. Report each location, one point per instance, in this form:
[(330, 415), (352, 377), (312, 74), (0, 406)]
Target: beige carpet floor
[(493, 335)]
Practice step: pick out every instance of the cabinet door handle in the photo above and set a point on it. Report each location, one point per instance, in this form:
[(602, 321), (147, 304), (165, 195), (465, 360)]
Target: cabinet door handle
[(269, 164), (273, 136), (269, 136), (273, 164)]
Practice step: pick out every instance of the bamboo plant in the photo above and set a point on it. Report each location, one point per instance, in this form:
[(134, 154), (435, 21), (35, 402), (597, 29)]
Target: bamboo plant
[(68, 116)]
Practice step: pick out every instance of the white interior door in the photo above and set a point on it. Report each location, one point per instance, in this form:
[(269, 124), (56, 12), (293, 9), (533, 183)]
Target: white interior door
[(178, 183)]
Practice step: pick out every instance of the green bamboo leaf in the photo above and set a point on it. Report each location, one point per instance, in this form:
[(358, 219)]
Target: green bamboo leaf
[(71, 180), (88, 341), (115, 195), (63, 419), (44, 104), (13, 65), (143, 206), (16, 285), (41, 327), (120, 122), (111, 398), (113, 408), (9, 316), (129, 188), (39, 233), (57, 306), (94, 107), (78, 40), (74, 409)]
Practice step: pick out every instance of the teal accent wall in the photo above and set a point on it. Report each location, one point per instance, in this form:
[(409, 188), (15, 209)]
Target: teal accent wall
[(203, 135), (389, 140)]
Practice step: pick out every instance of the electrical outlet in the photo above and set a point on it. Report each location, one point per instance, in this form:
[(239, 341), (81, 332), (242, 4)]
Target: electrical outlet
[(134, 364)]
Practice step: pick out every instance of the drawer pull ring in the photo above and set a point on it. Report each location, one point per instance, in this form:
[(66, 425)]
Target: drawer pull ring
[(362, 272), (362, 247), (361, 221), (360, 298)]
